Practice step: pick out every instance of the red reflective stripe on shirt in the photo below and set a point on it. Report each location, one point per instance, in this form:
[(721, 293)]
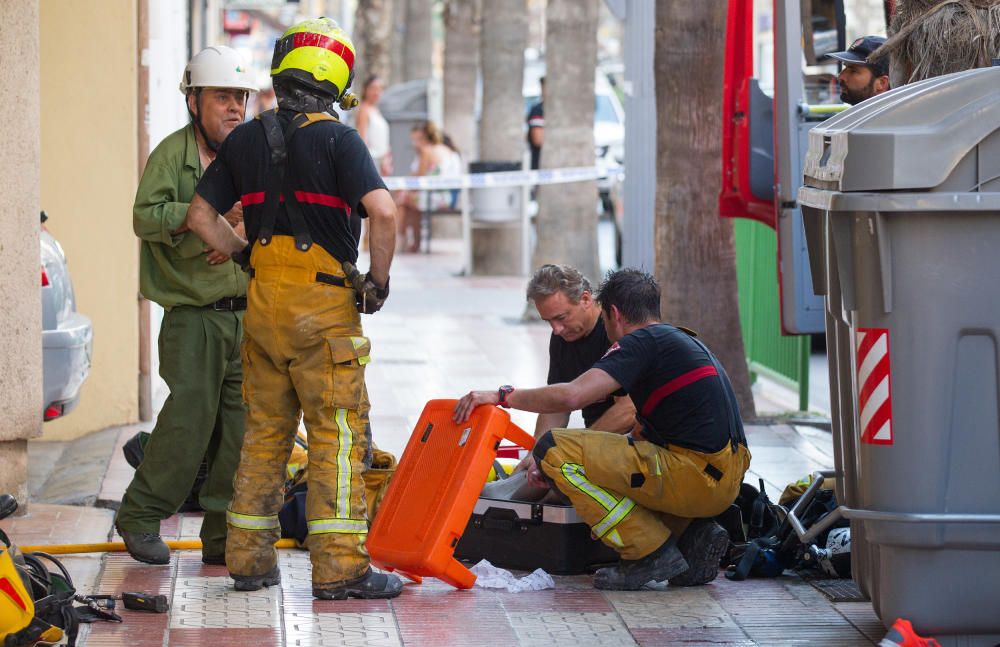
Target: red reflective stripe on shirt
[(302, 196), (674, 385), (252, 198), (323, 199)]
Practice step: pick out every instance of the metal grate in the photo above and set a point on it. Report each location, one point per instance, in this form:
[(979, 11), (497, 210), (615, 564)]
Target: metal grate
[(839, 590)]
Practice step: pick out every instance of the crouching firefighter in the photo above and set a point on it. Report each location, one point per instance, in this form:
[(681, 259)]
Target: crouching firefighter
[(647, 494), (299, 173)]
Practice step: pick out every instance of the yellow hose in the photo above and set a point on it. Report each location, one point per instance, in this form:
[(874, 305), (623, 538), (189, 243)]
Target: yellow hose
[(118, 547)]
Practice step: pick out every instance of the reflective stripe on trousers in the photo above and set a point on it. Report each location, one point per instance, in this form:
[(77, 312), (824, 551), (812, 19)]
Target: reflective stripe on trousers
[(345, 526), (344, 465), (252, 521), (617, 509)]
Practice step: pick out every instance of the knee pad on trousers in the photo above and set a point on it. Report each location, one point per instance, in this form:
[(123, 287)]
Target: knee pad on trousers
[(542, 446)]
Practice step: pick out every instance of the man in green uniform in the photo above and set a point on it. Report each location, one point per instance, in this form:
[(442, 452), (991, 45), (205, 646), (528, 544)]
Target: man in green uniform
[(204, 296)]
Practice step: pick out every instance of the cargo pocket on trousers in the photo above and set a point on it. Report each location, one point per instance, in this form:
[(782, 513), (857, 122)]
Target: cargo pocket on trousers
[(348, 356), (648, 477)]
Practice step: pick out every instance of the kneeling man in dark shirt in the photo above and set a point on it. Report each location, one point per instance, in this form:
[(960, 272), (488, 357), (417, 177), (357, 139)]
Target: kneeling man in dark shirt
[(683, 463), (565, 300)]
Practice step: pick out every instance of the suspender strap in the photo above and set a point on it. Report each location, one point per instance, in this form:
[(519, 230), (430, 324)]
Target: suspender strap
[(303, 240), (736, 435), (272, 192), (280, 182)]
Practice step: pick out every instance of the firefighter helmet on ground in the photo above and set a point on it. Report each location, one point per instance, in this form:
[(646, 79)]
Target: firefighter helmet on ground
[(317, 56), (217, 67)]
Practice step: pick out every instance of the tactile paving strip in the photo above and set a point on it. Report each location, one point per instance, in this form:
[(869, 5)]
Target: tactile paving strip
[(689, 609), (295, 568), (341, 630), (555, 628), (211, 602), (191, 526)]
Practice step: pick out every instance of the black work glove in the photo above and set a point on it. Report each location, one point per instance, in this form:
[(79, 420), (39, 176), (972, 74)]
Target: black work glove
[(369, 297), (242, 257)]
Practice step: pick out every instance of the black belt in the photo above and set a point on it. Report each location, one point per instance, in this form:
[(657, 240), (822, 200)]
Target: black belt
[(231, 304), (331, 279)]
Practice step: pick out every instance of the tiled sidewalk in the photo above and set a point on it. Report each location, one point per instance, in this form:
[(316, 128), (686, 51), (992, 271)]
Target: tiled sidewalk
[(206, 611), (439, 336)]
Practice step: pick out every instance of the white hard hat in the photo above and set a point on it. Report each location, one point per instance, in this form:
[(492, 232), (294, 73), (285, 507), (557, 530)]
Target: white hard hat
[(217, 67)]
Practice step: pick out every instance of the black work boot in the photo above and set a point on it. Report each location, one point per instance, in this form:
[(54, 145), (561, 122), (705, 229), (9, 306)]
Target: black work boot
[(631, 575), (370, 586), (255, 582), (703, 544), (145, 547)]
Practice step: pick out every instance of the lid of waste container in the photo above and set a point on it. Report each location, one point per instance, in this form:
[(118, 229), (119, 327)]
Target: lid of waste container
[(405, 101), (912, 137)]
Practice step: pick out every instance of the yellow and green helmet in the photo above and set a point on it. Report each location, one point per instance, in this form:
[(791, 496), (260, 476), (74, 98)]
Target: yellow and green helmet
[(317, 53)]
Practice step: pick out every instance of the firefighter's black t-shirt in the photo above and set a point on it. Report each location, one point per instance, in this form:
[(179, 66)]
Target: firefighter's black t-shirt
[(660, 363), (330, 170), (569, 360)]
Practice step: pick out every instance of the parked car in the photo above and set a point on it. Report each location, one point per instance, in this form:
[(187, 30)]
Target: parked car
[(67, 335)]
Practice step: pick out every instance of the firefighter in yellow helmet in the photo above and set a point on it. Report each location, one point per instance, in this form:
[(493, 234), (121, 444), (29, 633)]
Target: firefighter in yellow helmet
[(300, 173)]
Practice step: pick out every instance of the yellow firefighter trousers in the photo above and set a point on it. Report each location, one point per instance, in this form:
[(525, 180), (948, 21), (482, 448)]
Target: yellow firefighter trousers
[(633, 493), (303, 350)]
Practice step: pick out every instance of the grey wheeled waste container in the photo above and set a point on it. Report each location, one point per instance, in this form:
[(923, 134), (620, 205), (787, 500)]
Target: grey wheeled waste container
[(405, 107), (495, 204), (901, 201)]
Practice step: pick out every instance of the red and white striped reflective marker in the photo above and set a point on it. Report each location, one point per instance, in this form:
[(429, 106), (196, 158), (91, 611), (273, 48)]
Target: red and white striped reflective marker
[(874, 387)]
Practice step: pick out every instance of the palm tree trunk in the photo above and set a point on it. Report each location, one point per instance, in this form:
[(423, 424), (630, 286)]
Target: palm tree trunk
[(695, 256), (461, 66), (930, 38), (397, 39), (567, 213), (372, 38), (417, 46), (504, 36)]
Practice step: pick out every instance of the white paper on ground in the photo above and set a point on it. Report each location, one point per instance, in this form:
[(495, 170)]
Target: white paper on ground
[(489, 576)]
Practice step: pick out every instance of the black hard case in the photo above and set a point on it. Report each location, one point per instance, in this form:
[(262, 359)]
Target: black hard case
[(526, 536)]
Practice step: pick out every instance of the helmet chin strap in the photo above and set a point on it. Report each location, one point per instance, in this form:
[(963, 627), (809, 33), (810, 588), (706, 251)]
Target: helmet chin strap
[(196, 118)]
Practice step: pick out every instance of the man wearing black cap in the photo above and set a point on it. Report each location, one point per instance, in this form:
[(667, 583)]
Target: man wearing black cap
[(860, 79)]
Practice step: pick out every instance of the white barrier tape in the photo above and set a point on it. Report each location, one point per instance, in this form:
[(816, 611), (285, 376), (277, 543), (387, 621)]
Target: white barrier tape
[(497, 179)]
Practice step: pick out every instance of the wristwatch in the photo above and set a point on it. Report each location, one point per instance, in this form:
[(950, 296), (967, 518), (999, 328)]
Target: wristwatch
[(504, 391)]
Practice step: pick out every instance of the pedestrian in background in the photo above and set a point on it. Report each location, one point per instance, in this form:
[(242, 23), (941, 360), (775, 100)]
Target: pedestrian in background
[(203, 295), (860, 80), (374, 130), (372, 126), (536, 128), (433, 157)]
